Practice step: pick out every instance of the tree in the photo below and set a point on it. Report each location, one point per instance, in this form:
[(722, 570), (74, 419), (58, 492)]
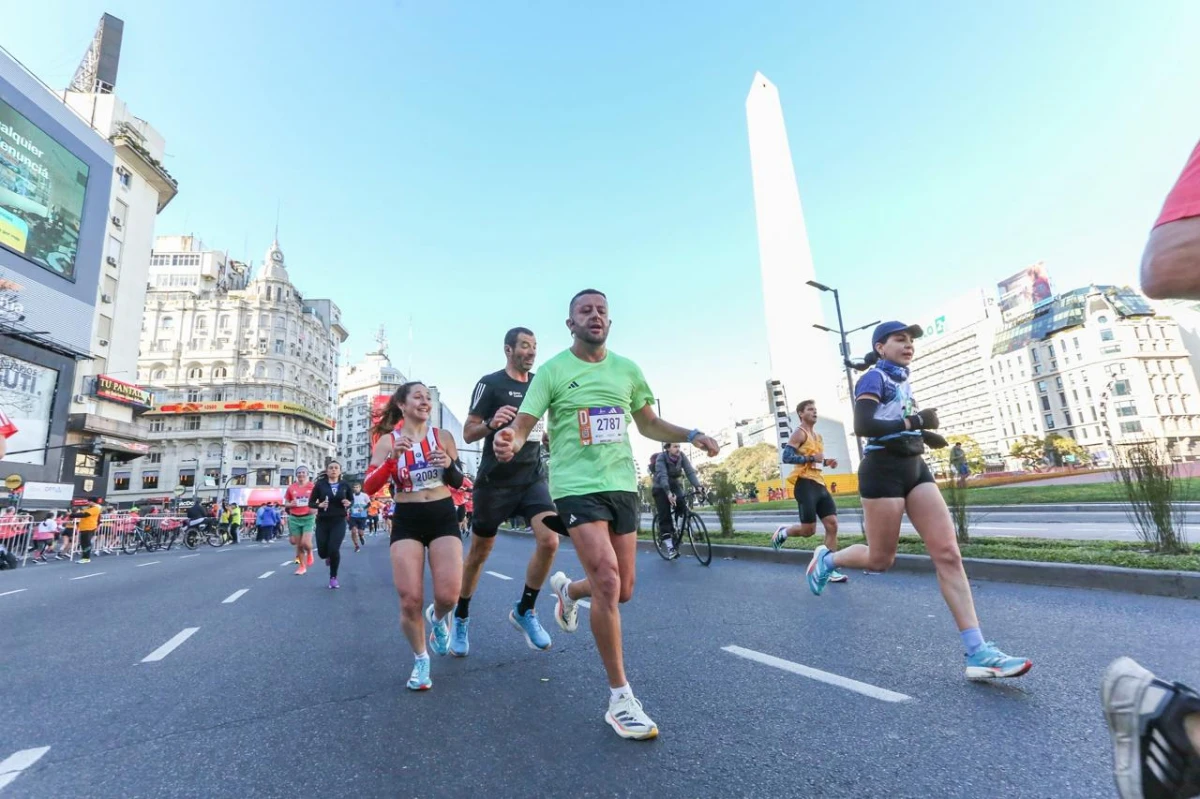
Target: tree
[(971, 449), (1066, 449), (752, 464), (1030, 450)]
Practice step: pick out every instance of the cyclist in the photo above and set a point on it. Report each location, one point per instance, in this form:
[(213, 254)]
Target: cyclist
[(806, 450), (669, 468), (894, 480)]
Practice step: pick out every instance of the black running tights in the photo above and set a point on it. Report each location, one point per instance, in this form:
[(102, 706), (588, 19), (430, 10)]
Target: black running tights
[(331, 531)]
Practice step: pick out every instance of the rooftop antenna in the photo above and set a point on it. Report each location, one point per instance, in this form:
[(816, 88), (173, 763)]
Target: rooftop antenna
[(97, 71)]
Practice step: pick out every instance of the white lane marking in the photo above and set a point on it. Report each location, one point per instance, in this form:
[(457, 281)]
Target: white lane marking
[(15, 591), (587, 603), (866, 689), (148, 563), (12, 766), (291, 562), (234, 597), (169, 646), (85, 576), (265, 575), (181, 557), (498, 574), (223, 549)]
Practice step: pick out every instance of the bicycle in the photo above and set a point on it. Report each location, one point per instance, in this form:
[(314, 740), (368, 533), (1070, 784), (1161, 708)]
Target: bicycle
[(689, 523), (206, 531), (139, 536)]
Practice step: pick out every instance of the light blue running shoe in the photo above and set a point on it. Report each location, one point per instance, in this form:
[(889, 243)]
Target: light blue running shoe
[(535, 635), (419, 679), (779, 537), (816, 574), (439, 634), (989, 662), (459, 645)]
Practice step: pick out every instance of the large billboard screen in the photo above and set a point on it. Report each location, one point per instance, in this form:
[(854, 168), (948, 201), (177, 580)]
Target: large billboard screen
[(1024, 291), (27, 399), (42, 188)]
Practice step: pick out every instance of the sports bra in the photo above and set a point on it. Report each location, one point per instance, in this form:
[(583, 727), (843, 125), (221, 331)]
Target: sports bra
[(413, 470)]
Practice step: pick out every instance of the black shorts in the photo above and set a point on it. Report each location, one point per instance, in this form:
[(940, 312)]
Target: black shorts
[(461, 512), (496, 504), (814, 500), (621, 509), (882, 475), (358, 522), (424, 521)]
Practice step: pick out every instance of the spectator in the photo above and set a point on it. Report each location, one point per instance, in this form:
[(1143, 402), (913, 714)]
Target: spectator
[(44, 535), (958, 465), (88, 521), (235, 522), (266, 520)]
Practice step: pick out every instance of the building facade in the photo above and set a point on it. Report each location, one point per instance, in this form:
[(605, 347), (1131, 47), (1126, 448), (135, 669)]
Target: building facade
[(1098, 365), (56, 177), (243, 371), (105, 400)]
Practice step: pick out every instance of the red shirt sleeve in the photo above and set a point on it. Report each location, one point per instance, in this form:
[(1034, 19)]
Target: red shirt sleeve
[(7, 428), (1184, 199)]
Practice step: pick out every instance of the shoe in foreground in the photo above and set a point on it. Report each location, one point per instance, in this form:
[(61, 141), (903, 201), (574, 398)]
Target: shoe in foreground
[(816, 575), (989, 662), (1152, 756), (439, 634), (566, 613), (779, 537), (627, 718), (460, 642), (535, 635), (419, 679)]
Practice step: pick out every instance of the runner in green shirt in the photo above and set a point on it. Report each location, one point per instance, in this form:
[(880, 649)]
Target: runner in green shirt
[(591, 395)]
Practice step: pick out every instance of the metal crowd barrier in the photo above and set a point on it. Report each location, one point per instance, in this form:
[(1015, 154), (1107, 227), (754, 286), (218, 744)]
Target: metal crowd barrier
[(16, 536)]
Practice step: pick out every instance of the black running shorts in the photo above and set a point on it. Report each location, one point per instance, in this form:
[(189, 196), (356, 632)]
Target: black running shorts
[(620, 509), (814, 500), (424, 521), (496, 504), (882, 475)]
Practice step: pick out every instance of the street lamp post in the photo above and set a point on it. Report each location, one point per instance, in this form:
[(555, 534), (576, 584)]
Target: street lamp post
[(842, 333)]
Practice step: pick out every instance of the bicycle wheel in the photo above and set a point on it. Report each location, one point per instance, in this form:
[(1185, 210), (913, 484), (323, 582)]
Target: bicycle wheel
[(191, 539), (130, 541), (215, 537), (697, 535), (659, 544)]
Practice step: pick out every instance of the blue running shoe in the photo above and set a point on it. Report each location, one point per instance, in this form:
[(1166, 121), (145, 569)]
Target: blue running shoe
[(459, 645), (528, 624), (988, 663), (439, 634), (779, 537), (816, 574), (419, 679)]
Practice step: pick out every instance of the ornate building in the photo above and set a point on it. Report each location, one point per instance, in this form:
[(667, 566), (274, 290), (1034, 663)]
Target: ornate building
[(243, 372)]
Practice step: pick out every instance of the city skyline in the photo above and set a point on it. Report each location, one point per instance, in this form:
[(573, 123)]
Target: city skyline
[(972, 177)]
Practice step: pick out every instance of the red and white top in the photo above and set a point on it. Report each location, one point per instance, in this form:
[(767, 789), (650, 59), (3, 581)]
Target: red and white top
[(7, 428), (1184, 199), (414, 472)]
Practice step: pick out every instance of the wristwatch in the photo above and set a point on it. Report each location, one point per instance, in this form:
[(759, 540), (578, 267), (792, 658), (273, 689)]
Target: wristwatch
[(488, 423), (693, 435)]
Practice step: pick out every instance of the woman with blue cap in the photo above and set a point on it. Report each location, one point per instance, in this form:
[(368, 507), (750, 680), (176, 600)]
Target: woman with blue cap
[(894, 479)]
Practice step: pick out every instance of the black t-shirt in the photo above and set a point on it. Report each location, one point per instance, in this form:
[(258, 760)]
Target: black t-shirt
[(492, 393)]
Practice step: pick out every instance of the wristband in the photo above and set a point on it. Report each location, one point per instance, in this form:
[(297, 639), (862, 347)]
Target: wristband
[(693, 435)]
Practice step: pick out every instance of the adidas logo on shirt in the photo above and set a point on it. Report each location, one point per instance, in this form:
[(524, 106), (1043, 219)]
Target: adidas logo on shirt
[(573, 385)]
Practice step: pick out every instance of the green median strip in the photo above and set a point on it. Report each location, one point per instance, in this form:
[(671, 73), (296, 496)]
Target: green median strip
[(1129, 554)]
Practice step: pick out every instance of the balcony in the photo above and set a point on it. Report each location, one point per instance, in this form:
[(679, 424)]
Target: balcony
[(128, 144)]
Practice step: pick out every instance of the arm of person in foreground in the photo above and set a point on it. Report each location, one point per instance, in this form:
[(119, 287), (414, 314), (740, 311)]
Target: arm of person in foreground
[(1171, 262)]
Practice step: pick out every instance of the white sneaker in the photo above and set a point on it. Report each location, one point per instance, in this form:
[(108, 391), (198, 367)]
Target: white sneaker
[(779, 537), (565, 611), (626, 717)]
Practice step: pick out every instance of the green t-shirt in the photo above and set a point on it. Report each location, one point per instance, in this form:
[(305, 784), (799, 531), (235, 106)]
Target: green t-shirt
[(589, 408)]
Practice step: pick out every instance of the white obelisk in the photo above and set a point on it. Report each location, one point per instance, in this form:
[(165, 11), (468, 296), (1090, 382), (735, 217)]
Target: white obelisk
[(803, 358)]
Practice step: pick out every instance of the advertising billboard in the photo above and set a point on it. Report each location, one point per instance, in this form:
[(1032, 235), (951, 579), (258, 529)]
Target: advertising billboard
[(1024, 291), (119, 391), (241, 406), (42, 190), (27, 398)]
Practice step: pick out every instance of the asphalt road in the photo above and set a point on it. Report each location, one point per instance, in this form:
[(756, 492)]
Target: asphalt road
[(295, 690), (1030, 522)]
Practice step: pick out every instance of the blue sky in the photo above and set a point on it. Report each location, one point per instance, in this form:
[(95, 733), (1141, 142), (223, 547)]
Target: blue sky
[(474, 164)]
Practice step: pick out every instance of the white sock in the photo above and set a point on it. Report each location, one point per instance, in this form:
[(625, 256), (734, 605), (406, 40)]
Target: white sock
[(617, 693), (422, 656)]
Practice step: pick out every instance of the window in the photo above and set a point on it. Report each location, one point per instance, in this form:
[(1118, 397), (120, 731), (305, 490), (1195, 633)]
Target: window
[(124, 176), (1093, 410), (202, 323), (1075, 395), (1058, 383), (195, 373), (1121, 388), (1035, 356), (149, 481), (262, 477), (154, 457), (1041, 386), (114, 248), (212, 477), (103, 328), (239, 476), (191, 423), (1062, 398), (1131, 427), (239, 422), (1102, 319), (193, 395), (220, 371), (156, 425), (1049, 421), (223, 321), (167, 323), (1067, 419), (159, 374), (187, 477), (1076, 341), (1126, 408), (264, 320), (1050, 350), (279, 346), (1106, 334), (121, 481)]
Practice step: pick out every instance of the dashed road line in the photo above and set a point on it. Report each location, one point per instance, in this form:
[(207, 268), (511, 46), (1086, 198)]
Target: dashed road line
[(12, 766), (265, 575), (235, 596), (291, 562), (196, 555), (147, 563), (498, 574), (866, 689), (14, 591), (85, 576), (170, 646)]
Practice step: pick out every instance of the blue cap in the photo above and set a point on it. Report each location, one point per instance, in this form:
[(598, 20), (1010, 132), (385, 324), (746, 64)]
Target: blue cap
[(885, 329)]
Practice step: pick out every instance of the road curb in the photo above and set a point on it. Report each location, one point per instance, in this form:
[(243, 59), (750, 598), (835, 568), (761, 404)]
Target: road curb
[(1148, 582)]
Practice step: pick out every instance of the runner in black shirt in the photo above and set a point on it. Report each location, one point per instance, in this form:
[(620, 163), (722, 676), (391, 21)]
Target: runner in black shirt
[(504, 490)]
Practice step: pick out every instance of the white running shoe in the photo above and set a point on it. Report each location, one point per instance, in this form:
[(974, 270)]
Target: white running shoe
[(779, 537), (566, 613), (626, 717)]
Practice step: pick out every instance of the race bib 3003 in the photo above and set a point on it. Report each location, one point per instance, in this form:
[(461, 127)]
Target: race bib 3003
[(601, 425)]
